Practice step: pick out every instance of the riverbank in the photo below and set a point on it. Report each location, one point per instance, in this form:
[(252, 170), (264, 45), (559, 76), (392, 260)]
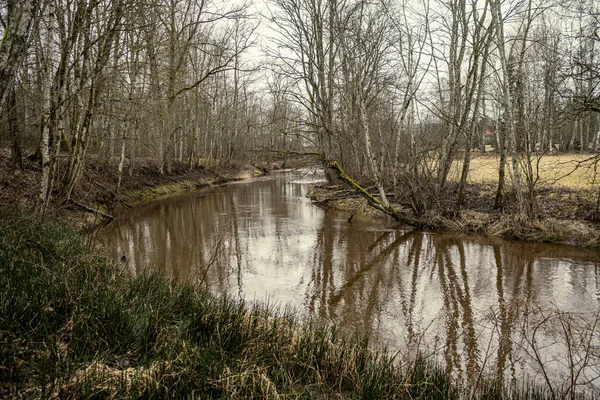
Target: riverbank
[(97, 190), (74, 325), (565, 215)]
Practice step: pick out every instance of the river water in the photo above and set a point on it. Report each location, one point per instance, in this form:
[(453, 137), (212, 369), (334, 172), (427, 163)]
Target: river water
[(481, 306)]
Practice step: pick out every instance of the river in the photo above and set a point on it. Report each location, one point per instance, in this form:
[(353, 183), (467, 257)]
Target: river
[(481, 306)]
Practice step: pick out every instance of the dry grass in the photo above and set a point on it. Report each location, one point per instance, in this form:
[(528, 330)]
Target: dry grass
[(574, 171), (105, 381)]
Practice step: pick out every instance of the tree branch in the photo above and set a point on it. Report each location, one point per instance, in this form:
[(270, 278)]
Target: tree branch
[(375, 202)]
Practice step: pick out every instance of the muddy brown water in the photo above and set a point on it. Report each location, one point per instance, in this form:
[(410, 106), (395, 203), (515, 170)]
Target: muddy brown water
[(481, 306)]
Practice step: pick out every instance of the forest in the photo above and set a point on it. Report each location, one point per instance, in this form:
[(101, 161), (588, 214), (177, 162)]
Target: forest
[(400, 94)]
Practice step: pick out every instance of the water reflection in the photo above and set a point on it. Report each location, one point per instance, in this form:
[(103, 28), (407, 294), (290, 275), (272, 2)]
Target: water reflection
[(475, 302)]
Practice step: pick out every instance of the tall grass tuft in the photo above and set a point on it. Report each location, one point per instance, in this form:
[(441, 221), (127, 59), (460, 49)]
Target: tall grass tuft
[(74, 325)]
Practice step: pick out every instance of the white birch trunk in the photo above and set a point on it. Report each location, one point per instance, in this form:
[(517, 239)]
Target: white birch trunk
[(13, 45), (43, 198), (371, 160), (121, 162), (508, 104)]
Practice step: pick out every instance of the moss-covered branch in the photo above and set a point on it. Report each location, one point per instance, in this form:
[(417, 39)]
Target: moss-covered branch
[(374, 201)]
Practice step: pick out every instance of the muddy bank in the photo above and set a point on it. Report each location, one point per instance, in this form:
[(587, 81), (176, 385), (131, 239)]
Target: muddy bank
[(557, 220)]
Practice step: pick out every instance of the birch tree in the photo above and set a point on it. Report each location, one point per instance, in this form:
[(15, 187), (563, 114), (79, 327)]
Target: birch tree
[(92, 82), (409, 42), (306, 51), (364, 56), (507, 102), (17, 19), (460, 98), (513, 94)]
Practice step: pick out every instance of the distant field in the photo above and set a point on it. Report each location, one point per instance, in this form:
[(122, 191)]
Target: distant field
[(553, 170)]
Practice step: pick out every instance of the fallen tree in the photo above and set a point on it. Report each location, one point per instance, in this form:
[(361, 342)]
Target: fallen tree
[(375, 202), (92, 210)]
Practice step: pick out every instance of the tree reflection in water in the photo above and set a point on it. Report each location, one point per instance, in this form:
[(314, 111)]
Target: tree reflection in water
[(483, 306)]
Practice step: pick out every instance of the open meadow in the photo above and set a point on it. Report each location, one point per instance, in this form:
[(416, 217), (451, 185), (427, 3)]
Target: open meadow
[(574, 171)]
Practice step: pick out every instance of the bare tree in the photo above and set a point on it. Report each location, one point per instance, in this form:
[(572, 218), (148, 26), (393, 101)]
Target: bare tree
[(306, 53), (16, 20), (365, 55), (507, 96)]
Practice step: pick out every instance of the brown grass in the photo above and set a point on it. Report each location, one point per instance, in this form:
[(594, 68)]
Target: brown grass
[(574, 171)]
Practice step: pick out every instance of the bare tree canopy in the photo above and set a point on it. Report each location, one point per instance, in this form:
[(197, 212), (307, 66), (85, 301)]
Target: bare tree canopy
[(401, 94)]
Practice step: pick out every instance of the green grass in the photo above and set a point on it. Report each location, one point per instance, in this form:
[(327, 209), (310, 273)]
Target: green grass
[(154, 192), (74, 325)]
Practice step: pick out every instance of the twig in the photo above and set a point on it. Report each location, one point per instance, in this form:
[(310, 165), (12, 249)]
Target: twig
[(93, 210)]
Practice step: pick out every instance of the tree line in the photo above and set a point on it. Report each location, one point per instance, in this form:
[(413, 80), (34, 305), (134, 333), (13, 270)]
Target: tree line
[(400, 92), (396, 92), (115, 81)]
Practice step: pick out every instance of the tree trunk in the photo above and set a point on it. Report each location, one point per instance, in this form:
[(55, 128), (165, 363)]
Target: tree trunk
[(479, 86), (509, 109), (499, 200), (15, 132), (373, 201), (121, 160), (19, 19), (462, 186), (44, 197), (371, 159)]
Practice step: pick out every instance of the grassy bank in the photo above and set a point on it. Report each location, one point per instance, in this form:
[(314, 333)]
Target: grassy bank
[(73, 325), (479, 217)]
